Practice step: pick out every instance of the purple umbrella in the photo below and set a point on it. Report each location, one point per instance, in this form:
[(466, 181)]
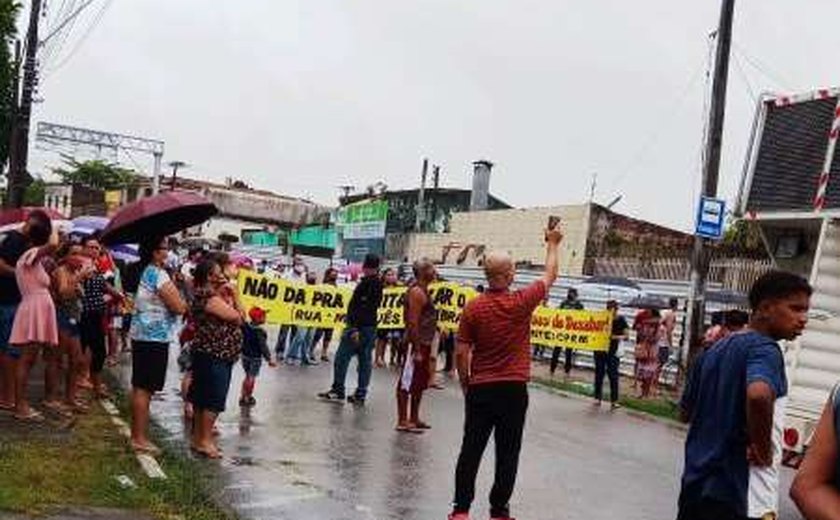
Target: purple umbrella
[(89, 224), (128, 253)]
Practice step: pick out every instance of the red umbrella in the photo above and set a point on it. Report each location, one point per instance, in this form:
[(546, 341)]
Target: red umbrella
[(13, 218), (17, 215), (158, 216)]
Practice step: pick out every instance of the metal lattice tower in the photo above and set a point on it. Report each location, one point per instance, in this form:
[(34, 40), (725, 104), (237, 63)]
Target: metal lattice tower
[(63, 134)]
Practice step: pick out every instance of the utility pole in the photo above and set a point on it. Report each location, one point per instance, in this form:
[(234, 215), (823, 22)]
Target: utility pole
[(700, 259), (158, 157), (421, 198), (19, 147), (14, 103), (435, 186)]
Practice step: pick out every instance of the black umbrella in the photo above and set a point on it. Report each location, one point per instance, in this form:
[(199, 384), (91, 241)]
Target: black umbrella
[(617, 281), (158, 216), (647, 302)]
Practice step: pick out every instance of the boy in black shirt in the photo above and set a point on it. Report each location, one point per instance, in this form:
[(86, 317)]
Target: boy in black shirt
[(606, 363)]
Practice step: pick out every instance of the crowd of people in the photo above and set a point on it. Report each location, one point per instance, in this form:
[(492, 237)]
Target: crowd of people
[(60, 301), (66, 301)]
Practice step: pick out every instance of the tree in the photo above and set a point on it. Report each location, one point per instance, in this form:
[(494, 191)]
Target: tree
[(34, 194), (9, 10), (743, 237), (96, 174)]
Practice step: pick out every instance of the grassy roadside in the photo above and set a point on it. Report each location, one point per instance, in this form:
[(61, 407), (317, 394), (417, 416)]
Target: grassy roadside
[(40, 473), (662, 408)]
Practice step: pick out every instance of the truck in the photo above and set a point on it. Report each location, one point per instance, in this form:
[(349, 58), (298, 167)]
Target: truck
[(790, 193)]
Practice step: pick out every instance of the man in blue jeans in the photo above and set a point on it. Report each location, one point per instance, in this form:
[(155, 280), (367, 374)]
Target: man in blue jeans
[(359, 337)]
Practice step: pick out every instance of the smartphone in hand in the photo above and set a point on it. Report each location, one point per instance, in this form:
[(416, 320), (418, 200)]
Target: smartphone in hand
[(553, 225)]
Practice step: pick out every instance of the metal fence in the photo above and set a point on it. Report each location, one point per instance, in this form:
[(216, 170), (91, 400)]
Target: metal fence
[(737, 274), (665, 289)]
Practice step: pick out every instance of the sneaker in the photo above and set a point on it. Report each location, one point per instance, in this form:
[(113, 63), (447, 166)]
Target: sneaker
[(244, 402), (331, 396), (459, 516), (502, 518), (252, 401), (356, 400)]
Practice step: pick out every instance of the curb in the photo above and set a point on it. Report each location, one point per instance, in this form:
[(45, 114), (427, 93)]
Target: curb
[(148, 463), (627, 411)]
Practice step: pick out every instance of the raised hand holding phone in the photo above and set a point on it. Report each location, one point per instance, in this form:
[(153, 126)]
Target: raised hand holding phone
[(553, 233)]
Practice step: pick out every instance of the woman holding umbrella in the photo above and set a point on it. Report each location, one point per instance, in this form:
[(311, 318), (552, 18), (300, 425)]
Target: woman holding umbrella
[(158, 303)]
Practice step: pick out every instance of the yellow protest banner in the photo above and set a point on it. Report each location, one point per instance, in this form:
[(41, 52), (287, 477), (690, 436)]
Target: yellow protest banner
[(583, 330), (449, 299), (325, 306), (285, 302), (391, 314)]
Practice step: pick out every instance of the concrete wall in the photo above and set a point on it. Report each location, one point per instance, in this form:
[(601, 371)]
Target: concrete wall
[(518, 231), (73, 201), (59, 198), (218, 225), (238, 203)]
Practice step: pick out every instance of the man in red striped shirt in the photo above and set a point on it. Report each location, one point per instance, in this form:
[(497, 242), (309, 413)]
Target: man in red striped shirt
[(494, 366)]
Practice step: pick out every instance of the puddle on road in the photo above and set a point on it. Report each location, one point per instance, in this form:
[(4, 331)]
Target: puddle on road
[(243, 461)]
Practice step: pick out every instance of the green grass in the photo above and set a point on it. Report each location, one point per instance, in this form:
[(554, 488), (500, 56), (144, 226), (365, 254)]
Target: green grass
[(45, 472), (662, 408)]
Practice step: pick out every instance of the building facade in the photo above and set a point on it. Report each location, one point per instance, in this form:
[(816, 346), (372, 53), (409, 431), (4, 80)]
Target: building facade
[(591, 231)]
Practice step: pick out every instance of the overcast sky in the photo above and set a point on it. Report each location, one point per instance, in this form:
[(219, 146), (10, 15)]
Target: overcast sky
[(301, 96)]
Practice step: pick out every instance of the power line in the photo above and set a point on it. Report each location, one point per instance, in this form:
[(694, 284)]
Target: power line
[(707, 101), (653, 136), (762, 67), (744, 78), (98, 18), (70, 18), (50, 50)]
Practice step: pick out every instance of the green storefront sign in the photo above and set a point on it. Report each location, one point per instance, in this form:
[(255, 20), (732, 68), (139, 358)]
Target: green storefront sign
[(363, 220)]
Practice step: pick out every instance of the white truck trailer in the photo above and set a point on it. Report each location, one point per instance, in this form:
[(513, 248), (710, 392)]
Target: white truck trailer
[(791, 190)]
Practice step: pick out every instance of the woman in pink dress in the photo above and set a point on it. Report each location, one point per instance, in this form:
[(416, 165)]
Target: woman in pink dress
[(35, 325)]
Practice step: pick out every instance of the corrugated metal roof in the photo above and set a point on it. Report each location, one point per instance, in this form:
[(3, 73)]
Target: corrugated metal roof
[(790, 157)]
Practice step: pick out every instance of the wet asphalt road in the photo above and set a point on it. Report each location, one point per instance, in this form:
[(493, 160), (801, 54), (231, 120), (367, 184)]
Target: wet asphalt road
[(294, 457)]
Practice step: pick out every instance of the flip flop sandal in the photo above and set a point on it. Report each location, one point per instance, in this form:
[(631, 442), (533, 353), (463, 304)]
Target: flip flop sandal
[(4, 407), (408, 429), (58, 409), (31, 417), (80, 408), (206, 454), (422, 426), (149, 449)]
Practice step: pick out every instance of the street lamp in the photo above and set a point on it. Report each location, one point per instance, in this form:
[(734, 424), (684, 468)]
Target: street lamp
[(175, 165)]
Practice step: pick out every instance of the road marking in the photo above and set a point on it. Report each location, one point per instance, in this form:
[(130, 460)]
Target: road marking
[(281, 501), (239, 486), (109, 407), (148, 463), (150, 466)]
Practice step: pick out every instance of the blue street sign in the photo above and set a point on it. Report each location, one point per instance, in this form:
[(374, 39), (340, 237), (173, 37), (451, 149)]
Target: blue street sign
[(710, 218)]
